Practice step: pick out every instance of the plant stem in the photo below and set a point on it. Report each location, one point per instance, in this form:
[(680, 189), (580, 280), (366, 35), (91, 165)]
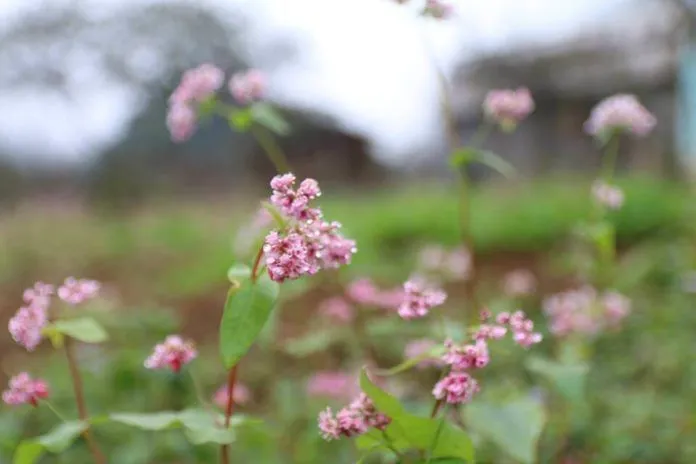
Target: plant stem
[(610, 156), (80, 401), (54, 410), (272, 149), (257, 262), (433, 445), (231, 381)]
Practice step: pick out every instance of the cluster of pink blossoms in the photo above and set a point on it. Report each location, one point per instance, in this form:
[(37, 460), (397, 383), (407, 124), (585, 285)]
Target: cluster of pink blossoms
[(508, 107), (622, 112), (199, 85), (25, 390), (583, 311), (459, 386), (355, 419), (307, 243), (607, 195), (173, 353), (453, 264), (27, 324), (419, 299)]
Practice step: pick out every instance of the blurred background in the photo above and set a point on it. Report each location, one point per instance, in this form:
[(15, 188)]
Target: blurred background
[(92, 186)]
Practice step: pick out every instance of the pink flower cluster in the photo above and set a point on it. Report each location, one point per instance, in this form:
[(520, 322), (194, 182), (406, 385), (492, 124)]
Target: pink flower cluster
[(365, 292), (355, 419), (27, 324), (333, 384), (25, 390), (454, 264), (458, 386), (419, 299), (248, 87), (197, 85), (621, 112), (519, 282), (607, 195), (307, 243), (172, 354), (508, 107), (241, 395), (583, 311)]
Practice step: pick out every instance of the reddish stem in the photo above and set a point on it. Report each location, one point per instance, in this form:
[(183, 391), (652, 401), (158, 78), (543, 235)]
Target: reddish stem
[(257, 262), (436, 408), (231, 381)]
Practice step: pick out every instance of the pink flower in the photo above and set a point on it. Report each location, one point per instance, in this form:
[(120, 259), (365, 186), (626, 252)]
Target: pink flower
[(523, 330), (174, 353), (333, 384), (621, 112), (616, 308), (508, 107), (417, 348), (607, 195), (25, 390), (181, 122), (328, 425), (198, 84), (241, 395), (583, 311), (490, 332), (287, 257), (462, 357), (74, 291), (39, 294), (519, 282), (355, 419), (248, 87), (27, 324), (337, 309), (419, 300), (295, 203), (456, 388)]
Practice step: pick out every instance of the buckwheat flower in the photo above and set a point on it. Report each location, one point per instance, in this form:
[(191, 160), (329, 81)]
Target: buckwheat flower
[(456, 388), (336, 250), (76, 291), (583, 311), (287, 257), (523, 330), (461, 357), (25, 390), (197, 85), (519, 282), (173, 354), (419, 300), (181, 122), (241, 395), (418, 348), (337, 309), (295, 203), (607, 195), (508, 107), (27, 324), (621, 112), (248, 87), (490, 332), (39, 294), (438, 9), (333, 384), (360, 416), (328, 425)]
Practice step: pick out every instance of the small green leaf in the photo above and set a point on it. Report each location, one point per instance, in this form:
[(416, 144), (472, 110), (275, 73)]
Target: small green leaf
[(496, 163), (515, 426), (246, 312), (267, 116), (434, 353), (241, 119), (57, 339), (84, 329), (56, 441), (568, 379), (462, 157), (201, 427), (384, 402), (238, 272), (314, 342), (148, 421)]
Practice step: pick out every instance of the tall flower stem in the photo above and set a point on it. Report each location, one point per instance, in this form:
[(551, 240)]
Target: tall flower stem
[(80, 401), (272, 149), (229, 409)]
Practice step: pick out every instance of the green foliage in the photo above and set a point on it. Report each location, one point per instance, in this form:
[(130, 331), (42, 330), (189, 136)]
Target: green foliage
[(246, 311), (56, 441), (84, 329), (568, 379), (267, 116)]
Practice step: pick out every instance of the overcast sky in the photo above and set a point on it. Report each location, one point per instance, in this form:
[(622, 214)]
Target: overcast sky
[(365, 60)]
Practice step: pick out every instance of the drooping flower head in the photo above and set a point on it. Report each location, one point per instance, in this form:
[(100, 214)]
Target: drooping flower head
[(456, 388), (419, 299), (172, 354), (25, 390), (462, 357), (621, 112), (508, 107), (248, 87)]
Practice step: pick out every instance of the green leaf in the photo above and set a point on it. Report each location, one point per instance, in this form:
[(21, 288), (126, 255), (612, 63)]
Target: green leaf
[(384, 402), (246, 312), (200, 427), (462, 157), (515, 426), (238, 272), (241, 119), (495, 162), (315, 342), (267, 116), (57, 339), (56, 441), (84, 329), (148, 421), (434, 352), (568, 379)]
